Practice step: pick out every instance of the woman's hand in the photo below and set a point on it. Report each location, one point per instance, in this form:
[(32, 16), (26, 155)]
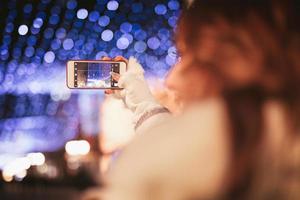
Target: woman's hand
[(135, 90)]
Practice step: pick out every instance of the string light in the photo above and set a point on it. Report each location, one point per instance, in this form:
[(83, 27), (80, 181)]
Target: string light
[(112, 5), (23, 29), (107, 35), (37, 42), (49, 57), (82, 13), (160, 9)]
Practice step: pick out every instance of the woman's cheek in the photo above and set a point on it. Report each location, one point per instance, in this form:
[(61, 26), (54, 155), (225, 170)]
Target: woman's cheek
[(174, 78), (190, 84)]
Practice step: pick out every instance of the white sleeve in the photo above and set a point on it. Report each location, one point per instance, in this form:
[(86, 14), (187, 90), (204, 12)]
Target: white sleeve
[(149, 115)]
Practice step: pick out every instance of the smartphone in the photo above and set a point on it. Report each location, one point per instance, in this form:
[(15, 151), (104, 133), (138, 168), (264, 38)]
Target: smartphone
[(93, 74)]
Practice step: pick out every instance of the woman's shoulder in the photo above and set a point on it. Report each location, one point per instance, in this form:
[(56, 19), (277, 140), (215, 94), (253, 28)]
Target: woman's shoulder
[(194, 143), (208, 115)]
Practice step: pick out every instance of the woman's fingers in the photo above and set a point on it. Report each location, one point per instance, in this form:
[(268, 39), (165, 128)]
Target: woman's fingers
[(115, 76), (106, 58), (117, 58), (109, 91), (120, 58)]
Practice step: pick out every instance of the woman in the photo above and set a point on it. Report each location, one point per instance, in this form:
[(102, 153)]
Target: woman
[(238, 81)]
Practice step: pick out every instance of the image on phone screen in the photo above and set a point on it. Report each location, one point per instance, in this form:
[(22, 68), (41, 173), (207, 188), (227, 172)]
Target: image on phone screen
[(94, 75)]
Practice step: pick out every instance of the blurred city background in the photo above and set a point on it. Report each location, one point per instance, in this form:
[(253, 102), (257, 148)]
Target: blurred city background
[(56, 142)]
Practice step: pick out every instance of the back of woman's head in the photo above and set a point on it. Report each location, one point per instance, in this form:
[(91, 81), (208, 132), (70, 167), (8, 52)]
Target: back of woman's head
[(252, 49), (265, 33)]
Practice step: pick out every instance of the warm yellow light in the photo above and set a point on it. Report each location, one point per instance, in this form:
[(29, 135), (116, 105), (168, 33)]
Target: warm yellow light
[(7, 177), (16, 168), (77, 147), (21, 174), (36, 159)]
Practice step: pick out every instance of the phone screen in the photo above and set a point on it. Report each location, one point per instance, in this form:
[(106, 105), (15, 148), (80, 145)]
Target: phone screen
[(95, 75)]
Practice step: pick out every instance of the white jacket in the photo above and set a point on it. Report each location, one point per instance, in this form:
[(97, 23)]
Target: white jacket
[(181, 158)]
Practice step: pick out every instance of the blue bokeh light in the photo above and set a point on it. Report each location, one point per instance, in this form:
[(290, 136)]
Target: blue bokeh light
[(102, 45), (4, 54), (140, 34), (159, 66), (11, 15), (122, 43), (31, 41), (172, 51), (165, 45), (60, 33), (153, 43), (164, 34), (17, 52), (34, 31), (88, 48), (82, 13), (172, 21), (27, 8), (160, 9), (69, 14), (32, 64), (150, 60), (23, 29), (54, 19), (40, 52), (38, 23), (107, 35), (49, 57), (173, 5), (42, 15), (112, 5), (48, 33), (78, 24), (140, 46), (71, 4), (136, 27), (126, 27), (100, 55), (6, 39), (171, 60), (128, 36), (68, 44), (55, 44), (115, 52), (9, 27), (79, 43), (103, 21), (94, 16), (29, 51), (118, 34)]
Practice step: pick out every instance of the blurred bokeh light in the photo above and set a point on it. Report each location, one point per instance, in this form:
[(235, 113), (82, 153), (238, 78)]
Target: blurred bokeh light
[(38, 113)]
